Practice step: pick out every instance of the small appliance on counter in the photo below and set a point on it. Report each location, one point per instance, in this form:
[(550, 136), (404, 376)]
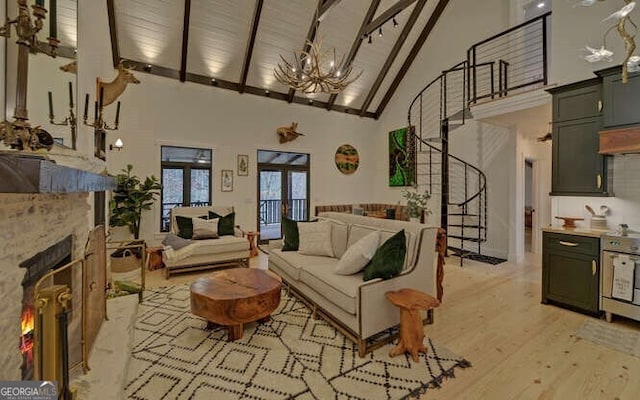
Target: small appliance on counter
[(620, 274)]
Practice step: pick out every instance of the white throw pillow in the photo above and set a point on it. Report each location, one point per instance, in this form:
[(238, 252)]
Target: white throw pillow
[(358, 255), (315, 238), (205, 228)]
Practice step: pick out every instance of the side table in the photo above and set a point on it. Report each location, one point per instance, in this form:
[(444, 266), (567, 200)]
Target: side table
[(154, 258), (410, 302), (252, 237)]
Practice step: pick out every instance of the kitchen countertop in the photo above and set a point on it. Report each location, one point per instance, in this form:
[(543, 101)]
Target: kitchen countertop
[(596, 233)]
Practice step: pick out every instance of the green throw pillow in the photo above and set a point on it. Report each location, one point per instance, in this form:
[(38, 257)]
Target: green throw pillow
[(185, 226), (389, 258), (291, 234), (226, 224)]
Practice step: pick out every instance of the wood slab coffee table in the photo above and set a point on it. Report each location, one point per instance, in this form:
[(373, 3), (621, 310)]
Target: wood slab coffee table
[(234, 297)]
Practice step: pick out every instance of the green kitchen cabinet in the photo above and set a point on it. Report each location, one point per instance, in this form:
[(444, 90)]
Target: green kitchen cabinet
[(620, 100), (577, 100), (577, 168), (570, 271)]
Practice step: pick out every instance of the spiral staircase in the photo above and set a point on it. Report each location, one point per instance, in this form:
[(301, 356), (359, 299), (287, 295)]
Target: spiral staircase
[(510, 62)]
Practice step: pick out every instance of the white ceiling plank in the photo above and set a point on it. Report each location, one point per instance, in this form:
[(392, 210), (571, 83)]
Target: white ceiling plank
[(402, 55), (150, 31), (218, 37), (67, 15)]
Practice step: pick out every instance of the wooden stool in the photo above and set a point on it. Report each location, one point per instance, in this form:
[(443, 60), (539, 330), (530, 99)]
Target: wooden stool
[(252, 237), (410, 302), (154, 258)]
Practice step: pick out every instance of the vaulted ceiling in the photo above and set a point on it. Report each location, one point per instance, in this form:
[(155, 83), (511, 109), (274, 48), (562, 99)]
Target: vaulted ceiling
[(236, 44)]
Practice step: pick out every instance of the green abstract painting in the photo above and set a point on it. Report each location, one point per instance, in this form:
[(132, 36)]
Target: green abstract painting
[(401, 170)]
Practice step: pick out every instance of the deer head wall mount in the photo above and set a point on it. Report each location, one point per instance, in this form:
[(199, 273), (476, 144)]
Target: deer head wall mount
[(288, 133), (108, 92)]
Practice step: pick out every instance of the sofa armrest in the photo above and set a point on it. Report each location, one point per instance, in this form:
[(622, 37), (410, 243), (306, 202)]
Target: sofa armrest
[(238, 231), (375, 312)]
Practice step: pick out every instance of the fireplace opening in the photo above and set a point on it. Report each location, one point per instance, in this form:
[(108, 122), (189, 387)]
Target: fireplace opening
[(36, 267)]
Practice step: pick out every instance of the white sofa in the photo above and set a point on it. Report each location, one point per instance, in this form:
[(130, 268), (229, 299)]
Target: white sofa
[(360, 309), (227, 250)]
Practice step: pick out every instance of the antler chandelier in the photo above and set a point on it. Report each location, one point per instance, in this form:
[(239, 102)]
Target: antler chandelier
[(631, 62), (315, 71)]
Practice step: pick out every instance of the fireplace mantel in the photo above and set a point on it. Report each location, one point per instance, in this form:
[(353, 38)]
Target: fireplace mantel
[(26, 173)]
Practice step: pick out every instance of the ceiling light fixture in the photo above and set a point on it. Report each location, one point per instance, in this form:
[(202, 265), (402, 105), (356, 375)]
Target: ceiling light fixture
[(631, 62), (395, 23), (315, 70), (147, 68), (380, 32), (369, 39), (541, 5)]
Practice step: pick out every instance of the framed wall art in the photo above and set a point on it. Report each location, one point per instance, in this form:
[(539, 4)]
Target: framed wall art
[(243, 165), (347, 159), (226, 180), (401, 169)]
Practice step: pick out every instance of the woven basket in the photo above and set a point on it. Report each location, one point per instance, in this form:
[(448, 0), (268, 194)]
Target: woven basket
[(128, 262)]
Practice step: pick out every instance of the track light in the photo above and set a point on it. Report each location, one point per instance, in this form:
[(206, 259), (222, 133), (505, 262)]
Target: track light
[(395, 23), (369, 39), (214, 82), (380, 32), (266, 91), (147, 68)]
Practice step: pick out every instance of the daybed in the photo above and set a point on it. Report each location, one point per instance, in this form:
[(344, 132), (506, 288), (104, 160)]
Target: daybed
[(208, 253), (358, 308)]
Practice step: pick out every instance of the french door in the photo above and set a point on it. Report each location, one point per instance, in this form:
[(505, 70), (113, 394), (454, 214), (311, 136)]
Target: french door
[(283, 190)]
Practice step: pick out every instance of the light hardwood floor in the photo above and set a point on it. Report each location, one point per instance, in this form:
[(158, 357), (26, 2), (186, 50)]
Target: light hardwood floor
[(519, 348)]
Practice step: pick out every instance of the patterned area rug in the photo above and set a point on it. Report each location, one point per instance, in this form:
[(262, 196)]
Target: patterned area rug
[(292, 356), (621, 339)]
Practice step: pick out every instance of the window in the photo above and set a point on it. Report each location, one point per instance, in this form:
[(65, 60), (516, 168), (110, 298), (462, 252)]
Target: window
[(186, 179)]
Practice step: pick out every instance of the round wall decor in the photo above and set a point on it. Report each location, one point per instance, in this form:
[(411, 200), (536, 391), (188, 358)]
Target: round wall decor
[(347, 159)]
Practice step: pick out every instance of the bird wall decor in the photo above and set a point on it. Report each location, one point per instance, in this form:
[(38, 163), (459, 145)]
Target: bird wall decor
[(288, 133)]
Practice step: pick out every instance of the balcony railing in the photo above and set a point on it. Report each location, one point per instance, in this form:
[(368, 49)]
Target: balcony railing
[(509, 61), (270, 210)]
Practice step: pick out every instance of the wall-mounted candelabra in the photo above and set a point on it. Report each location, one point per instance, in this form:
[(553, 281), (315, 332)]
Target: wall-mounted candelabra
[(69, 120), (99, 124), (18, 134)]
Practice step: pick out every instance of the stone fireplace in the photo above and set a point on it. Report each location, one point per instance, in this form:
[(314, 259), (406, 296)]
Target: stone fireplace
[(31, 224)]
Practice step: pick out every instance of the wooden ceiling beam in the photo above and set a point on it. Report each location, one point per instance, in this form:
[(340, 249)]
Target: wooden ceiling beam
[(250, 43), (387, 15), (113, 30), (393, 54), (356, 45), (437, 12), (311, 35), (185, 40), (325, 7), (224, 84)]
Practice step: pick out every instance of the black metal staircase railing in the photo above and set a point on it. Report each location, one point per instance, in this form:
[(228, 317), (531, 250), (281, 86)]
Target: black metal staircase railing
[(504, 64)]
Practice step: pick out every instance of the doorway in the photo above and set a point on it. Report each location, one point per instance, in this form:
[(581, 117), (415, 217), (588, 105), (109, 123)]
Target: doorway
[(283, 189), (529, 209)]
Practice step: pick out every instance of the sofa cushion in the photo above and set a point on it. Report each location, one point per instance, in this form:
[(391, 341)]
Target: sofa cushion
[(315, 238), (341, 290), (389, 258), (358, 256), (185, 226), (357, 232), (291, 262), (339, 236), (226, 222), (205, 229)]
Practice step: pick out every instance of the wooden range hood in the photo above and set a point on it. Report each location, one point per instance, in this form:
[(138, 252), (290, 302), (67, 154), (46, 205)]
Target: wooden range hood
[(620, 141)]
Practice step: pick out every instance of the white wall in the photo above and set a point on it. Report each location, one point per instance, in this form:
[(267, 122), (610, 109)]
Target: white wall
[(164, 111)]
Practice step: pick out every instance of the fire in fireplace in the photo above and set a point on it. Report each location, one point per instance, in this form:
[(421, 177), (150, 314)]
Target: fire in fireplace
[(27, 325)]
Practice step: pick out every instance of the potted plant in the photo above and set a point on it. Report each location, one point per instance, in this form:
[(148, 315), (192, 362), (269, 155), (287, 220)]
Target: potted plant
[(416, 204), (130, 198)]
